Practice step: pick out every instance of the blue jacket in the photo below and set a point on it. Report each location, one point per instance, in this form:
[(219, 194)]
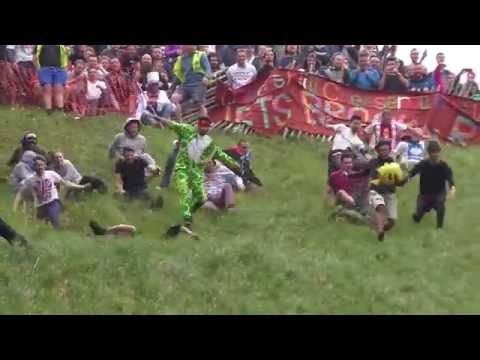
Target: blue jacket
[(367, 80)]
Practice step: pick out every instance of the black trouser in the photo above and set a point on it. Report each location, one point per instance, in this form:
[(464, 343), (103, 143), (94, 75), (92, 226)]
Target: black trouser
[(167, 176), (155, 202), (7, 232), (425, 203), (97, 184)]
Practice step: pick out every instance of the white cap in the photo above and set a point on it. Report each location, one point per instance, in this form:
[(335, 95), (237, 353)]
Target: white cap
[(153, 77)]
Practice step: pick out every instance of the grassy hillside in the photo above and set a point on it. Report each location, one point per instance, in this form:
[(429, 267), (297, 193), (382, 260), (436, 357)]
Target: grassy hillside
[(277, 254)]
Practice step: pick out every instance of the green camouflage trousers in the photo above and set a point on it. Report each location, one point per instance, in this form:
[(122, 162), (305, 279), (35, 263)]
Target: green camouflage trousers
[(191, 191)]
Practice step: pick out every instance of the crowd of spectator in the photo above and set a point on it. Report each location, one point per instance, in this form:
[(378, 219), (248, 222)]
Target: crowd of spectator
[(91, 80)]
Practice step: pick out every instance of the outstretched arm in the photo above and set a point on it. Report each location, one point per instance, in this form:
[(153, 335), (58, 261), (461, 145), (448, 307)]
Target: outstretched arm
[(227, 160)]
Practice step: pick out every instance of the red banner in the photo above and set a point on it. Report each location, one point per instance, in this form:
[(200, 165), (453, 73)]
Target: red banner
[(298, 101)]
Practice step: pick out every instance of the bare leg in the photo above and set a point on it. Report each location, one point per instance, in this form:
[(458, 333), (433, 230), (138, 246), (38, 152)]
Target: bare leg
[(380, 221), (47, 96), (58, 95)]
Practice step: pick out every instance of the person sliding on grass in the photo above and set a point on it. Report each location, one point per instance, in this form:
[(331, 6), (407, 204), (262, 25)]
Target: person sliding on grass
[(196, 149), (434, 176), (43, 185), (9, 234)]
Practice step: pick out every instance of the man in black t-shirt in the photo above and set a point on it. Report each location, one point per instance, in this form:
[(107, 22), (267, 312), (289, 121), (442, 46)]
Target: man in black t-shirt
[(131, 180), (435, 174)]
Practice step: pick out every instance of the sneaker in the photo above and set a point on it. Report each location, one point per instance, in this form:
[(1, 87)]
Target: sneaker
[(381, 236), (173, 231)]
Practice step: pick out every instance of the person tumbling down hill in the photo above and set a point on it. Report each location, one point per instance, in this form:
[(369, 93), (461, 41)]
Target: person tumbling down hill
[(69, 172), (131, 138), (46, 199), (342, 183), (242, 154), (9, 234), (131, 180), (29, 141), (196, 149), (221, 184)]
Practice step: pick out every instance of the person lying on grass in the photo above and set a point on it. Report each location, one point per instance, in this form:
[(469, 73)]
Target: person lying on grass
[(131, 181), (43, 186), (115, 230)]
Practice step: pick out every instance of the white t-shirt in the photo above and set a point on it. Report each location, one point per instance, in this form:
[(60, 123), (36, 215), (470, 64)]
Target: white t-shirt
[(412, 154), (94, 89), (43, 187), (241, 76), (344, 138)]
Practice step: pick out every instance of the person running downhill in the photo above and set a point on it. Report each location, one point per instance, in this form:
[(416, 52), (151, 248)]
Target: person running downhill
[(435, 174), (196, 149)]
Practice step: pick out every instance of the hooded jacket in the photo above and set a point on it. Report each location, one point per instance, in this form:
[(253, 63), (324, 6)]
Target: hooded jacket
[(137, 143), (22, 170), (18, 152)]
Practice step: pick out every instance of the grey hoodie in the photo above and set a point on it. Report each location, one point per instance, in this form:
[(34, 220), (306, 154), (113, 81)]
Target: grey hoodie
[(138, 143), (22, 170), (68, 171)]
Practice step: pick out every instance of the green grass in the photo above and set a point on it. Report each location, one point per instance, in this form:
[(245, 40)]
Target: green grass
[(278, 254)]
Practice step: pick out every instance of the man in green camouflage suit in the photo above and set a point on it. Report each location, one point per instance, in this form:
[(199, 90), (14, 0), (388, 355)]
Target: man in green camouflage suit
[(196, 149)]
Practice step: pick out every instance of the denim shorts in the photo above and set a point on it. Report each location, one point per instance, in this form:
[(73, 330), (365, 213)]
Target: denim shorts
[(52, 76)]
